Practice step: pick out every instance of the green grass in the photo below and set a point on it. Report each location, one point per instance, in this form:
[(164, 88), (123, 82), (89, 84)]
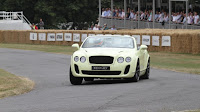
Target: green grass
[(171, 61), (46, 48), (13, 85), (176, 62), (194, 111)]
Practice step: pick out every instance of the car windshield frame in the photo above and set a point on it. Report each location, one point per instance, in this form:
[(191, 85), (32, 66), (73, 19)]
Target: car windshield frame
[(109, 42)]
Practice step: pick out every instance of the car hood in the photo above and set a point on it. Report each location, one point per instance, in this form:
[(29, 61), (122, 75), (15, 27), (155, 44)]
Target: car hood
[(105, 51)]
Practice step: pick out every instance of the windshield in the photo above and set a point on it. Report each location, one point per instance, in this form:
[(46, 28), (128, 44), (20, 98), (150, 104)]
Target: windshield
[(108, 42)]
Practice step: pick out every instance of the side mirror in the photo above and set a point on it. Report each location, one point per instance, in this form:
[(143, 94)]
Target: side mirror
[(76, 46), (143, 47)]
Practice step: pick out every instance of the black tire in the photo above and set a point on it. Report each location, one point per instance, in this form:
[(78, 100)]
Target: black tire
[(89, 79), (147, 73), (75, 80), (136, 77)]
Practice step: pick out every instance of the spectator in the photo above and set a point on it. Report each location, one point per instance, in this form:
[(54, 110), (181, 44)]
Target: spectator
[(150, 17), (41, 24), (196, 18), (103, 12), (95, 27), (179, 17), (113, 13), (191, 18), (105, 27), (91, 28), (156, 15), (135, 17), (106, 14), (34, 27), (142, 16), (99, 27), (128, 13), (174, 17), (113, 28), (166, 18), (123, 14), (184, 19), (188, 19), (109, 13), (131, 15)]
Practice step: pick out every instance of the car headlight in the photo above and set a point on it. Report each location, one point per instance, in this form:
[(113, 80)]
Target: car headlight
[(120, 60), (83, 59), (76, 58), (128, 59)]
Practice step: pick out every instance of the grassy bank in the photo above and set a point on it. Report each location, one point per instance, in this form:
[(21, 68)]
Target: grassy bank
[(171, 61), (13, 85)]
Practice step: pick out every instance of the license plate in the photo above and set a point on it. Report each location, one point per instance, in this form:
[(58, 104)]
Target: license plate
[(100, 68)]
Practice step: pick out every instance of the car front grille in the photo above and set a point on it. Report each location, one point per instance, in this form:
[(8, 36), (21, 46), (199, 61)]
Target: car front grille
[(101, 72), (101, 59)]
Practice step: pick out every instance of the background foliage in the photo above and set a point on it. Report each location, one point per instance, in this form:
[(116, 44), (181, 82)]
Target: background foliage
[(54, 11)]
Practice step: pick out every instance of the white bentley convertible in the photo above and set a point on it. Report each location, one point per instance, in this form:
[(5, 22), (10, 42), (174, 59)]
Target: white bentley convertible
[(109, 56)]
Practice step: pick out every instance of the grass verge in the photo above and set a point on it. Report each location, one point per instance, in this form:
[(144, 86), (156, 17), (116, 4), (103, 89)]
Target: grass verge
[(187, 63), (188, 111), (194, 111), (11, 85), (170, 61), (46, 48)]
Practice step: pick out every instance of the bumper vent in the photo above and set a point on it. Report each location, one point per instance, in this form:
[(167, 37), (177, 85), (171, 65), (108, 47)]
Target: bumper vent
[(127, 69), (76, 68), (101, 72), (101, 60)]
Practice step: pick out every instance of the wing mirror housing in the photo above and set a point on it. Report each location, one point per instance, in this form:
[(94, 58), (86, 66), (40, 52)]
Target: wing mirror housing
[(76, 46), (143, 47)]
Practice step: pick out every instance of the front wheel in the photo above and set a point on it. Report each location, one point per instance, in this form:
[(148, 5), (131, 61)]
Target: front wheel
[(75, 80), (147, 73), (136, 77)]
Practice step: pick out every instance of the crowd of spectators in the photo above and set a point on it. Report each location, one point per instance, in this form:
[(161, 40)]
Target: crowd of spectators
[(147, 15)]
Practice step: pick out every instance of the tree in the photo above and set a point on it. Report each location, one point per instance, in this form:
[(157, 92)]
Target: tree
[(54, 12)]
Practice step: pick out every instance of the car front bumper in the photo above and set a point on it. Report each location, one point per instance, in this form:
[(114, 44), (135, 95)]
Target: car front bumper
[(117, 70)]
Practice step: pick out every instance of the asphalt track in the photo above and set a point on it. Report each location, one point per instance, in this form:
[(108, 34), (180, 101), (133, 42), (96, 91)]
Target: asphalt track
[(165, 91)]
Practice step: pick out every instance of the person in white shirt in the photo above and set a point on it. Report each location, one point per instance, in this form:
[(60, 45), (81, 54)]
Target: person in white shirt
[(191, 18), (113, 28), (103, 12), (161, 18), (178, 17), (166, 18), (95, 27), (188, 19), (174, 16), (196, 18), (135, 16), (156, 16), (131, 15), (123, 14), (109, 13), (142, 16)]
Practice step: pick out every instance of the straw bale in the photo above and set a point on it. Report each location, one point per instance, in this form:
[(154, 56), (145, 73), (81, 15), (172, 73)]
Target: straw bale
[(1, 37), (196, 43), (7, 36), (22, 37), (182, 41)]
